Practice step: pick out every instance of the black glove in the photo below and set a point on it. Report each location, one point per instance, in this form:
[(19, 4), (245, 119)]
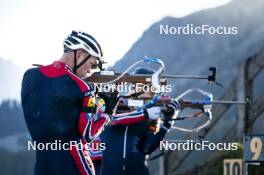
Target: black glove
[(170, 110), (111, 101)]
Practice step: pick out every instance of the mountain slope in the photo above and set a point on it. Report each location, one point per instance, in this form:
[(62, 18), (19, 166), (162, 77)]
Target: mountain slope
[(193, 54)]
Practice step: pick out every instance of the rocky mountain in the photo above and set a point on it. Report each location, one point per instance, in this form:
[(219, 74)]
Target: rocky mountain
[(195, 53)]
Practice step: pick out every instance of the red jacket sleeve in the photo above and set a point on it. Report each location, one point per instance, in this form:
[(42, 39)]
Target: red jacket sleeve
[(92, 120)]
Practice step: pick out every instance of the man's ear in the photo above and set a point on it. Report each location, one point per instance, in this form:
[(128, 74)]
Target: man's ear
[(79, 53)]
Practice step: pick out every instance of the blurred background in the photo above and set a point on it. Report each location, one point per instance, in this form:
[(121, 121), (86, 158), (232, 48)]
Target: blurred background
[(33, 31)]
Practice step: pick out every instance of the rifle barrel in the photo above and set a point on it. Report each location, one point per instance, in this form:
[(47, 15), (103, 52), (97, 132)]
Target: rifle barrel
[(185, 76), (218, 102)]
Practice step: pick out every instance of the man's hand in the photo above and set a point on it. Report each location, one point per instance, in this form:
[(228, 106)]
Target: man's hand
[(153, 113), (172, 107), (111, 101)]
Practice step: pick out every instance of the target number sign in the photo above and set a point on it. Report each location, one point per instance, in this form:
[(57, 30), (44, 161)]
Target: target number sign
[(254, 148), (233, 166)]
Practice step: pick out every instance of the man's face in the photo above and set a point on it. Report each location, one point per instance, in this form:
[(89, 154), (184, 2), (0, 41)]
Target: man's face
[(147, 95), (87, 66)]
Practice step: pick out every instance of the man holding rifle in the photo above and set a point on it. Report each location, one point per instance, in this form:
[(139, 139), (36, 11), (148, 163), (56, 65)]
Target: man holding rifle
[(59, 105), (132, 135)]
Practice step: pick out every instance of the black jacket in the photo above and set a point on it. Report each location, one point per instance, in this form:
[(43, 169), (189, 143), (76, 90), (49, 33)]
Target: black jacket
[(127, 147)]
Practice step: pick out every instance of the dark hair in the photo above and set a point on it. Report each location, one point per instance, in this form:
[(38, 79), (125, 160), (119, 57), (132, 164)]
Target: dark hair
[(141, 70)]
